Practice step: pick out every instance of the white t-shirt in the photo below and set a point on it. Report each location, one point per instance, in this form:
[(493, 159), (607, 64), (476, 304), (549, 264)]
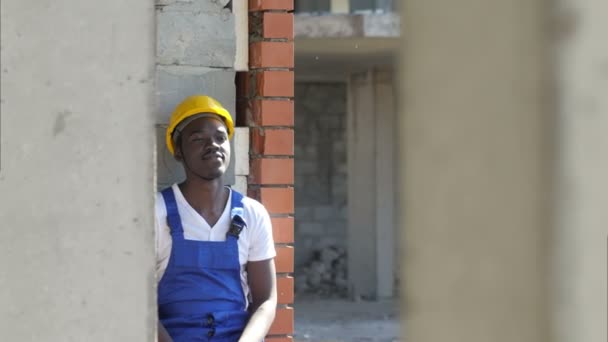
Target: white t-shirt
[(255, 241)]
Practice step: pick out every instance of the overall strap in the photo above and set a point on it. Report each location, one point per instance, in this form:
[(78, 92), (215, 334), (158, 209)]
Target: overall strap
[(173, 219), (237, 223)]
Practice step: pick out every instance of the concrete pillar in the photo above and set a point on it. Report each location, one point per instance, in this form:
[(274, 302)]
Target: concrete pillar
[(582, 165), (362, 247), (475, 167), (385, 184), (77, 171), (371, 184)]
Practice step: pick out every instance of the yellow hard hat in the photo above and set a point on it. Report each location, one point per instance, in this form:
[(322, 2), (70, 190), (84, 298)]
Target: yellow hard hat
[(197, 104)]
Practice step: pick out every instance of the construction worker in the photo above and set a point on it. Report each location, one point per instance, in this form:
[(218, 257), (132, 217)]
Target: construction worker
[(215, 252)]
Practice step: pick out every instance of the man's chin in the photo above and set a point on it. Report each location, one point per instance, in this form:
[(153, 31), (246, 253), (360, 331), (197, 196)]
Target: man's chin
[(214, 175)]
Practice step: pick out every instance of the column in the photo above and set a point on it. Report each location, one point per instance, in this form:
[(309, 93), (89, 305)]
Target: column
[(77, 171), (266, 95)]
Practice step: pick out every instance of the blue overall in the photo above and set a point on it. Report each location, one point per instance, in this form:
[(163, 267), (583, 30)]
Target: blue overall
[(200, 297)]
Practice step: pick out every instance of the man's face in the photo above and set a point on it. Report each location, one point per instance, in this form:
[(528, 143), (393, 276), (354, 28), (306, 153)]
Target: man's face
[(204, 148)]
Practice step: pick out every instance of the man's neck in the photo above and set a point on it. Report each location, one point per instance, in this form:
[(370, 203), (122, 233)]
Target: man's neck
[(206, 197)]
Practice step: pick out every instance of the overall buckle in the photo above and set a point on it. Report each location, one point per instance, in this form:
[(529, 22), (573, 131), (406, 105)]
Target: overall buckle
[(236, 226)]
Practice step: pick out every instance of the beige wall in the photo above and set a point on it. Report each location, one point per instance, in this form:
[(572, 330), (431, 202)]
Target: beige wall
[(504, 182), (77, 173), (474, 132)]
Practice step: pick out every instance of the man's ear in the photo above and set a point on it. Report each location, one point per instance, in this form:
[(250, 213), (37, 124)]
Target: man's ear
[(177, 154), (177, 149)]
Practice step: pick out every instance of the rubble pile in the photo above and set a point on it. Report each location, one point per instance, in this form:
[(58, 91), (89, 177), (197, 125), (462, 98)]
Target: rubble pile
[(324, 274)]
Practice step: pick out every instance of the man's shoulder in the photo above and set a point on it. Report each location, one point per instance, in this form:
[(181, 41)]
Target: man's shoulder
[(253, 208), (159, 203), (250, 203)]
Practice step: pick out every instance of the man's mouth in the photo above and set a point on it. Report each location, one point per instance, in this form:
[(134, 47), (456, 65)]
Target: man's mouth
[(213, 155)]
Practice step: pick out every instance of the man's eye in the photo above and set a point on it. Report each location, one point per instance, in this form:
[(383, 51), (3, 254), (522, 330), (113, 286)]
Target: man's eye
[(221, 138)]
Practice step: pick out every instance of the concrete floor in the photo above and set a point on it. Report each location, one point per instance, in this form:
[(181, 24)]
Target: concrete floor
[(332, 320)]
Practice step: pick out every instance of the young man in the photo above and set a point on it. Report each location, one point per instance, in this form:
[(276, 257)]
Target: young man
[(215, 252)]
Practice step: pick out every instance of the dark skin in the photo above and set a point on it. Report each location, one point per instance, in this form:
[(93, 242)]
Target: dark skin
[(204, 151)]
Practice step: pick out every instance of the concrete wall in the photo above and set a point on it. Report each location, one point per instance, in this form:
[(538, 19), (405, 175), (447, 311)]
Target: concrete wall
[(77, 173), (320, 167), (581, 217), (475, 133)]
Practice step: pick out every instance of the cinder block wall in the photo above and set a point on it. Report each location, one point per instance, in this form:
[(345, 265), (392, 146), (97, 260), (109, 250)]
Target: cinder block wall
[(321, 174), (266, 97)]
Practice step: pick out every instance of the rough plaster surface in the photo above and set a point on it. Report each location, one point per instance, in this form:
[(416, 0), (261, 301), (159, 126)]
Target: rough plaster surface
[(196, 33), (320, 169), (580, 301), (77, 173)]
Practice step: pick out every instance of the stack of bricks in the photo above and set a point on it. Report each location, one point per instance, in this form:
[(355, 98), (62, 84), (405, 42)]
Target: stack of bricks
[(266, 94)]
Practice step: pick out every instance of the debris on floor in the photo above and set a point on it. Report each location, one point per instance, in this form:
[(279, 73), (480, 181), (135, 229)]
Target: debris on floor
[(325, 274)]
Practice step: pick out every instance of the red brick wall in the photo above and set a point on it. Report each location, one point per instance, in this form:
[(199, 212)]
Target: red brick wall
[(266, 97)]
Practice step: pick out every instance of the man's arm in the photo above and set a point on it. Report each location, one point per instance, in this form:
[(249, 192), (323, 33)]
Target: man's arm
[(263, 286), (163, 335)]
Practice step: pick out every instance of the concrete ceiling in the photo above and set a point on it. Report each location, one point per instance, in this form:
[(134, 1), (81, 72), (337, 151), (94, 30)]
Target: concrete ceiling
[(334, 57), (333, 46)]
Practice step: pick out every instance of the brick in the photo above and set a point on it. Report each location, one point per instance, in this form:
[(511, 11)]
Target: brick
[(275, 83), (277, 200), (273, 112), (279, 339), (284, 260), (283, 229), (283, 322), (264, 5), (272, 142), (285, 290), (271, 54), (279, 142), (272, 171), (277, 25)]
